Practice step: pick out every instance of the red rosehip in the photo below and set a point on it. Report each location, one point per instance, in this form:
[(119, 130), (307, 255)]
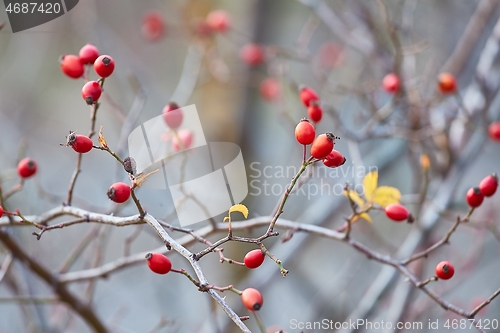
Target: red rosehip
[(397, 212), (1, 211), (158, 263), (218, 20), (305, 132), (71, 66), (334, 159), (26, 167), (119, 192), (494, 131), (254, 258), (445, 270), (186, 138), (474, 197), (104, 66), (88, 54), (252, 54), (488, 185), (252, 299), (330, 55), (322, 145), (80, 143), (447, 84), (153, 26), (307, 95), (172, 115), (315, 112), (391, 83), (91, 92), (270, 89)]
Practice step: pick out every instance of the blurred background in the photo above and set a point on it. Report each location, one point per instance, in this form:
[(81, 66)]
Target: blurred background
[(342, 49)]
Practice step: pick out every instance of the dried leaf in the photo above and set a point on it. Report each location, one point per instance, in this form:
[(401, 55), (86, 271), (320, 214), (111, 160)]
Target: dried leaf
[(141, 178), (370, 184), (356, 198), (101, 139), (386, 195), (239, 208)]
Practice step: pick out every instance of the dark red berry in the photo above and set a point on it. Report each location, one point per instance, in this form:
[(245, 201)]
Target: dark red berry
[(474, 197), (71, 66), (315, 112), (307, 95), (88, 54), (119, 192), (488, 185), (494, 131), (252, 299), (397, 212), (158, 263), (322, 145), (104, 66), (445, 270), (91, 92), (26, 167), (80, 143), (254, 258), (391, 83), (305, 132), (1, 211), (172, 115), (334, 159), (447, 84), (252, 54)]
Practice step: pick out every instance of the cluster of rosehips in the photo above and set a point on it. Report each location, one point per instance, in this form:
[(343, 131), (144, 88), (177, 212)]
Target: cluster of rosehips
[(74, 67), (487, 187), (251, 298), (446, 83)]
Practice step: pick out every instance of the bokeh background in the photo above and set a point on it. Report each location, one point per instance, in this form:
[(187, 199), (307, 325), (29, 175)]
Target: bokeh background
[(39, 105)]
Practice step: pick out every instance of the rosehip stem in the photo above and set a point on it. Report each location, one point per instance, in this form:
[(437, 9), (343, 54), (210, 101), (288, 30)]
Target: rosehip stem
[(262, 328)]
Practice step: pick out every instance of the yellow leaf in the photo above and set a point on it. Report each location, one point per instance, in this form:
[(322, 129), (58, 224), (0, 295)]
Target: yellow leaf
[(386, 195), (366, 217), (356, 198), (101, 139), (370, 185), (226, 219), (239, 208)]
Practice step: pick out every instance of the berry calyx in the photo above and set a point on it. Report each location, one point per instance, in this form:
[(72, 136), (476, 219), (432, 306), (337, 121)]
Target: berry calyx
[(323, 145), (307, 95), (186, 138), (445, 270), (494, 131), (474, 197), (252, 299), (218, 20), (305, 132), (26, 167), (489, 185), (91, 92), (315, 112), (391, 83), (270, 89), (447, 84), (119, 192), (254, 258), (252, 54), (71, 66), (80, 143), (158, 263), (172, 115), (88, 54), (397, 212), (334, 159), (153, 26), (104, 66)]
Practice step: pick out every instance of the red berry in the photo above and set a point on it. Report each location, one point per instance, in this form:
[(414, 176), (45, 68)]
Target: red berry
[(26, 167), (91, 92), (315, 112), (71, 66), (158, 263), (330, 55), (172, 115), (307, 95), (1, 211), (391, 83), (334, 159), (80, 143), (218, 20), (445, 270), (254, 258), (270, 89), (252, 54), (305, 132), (474, 197), (88, 54), (153, 26), (186, 137), (119, 192), (252, 299), (397, 212), (494, 131), (488, 185), (323, 145), (104, 66), (447, 84)]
